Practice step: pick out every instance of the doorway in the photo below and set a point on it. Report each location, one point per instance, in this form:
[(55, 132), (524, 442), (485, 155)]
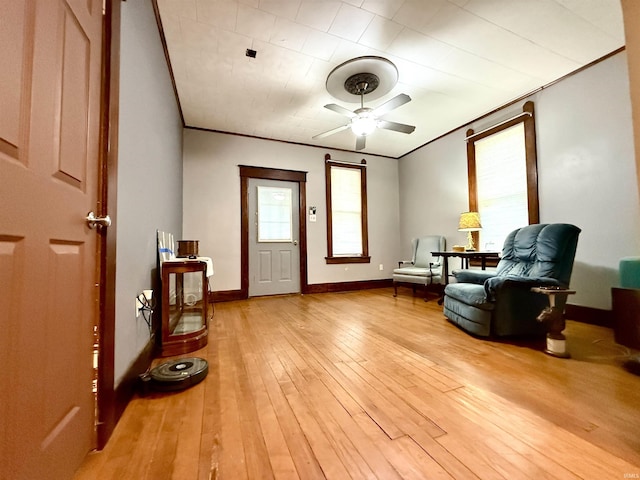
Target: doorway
[(274, 226), (282, 178)]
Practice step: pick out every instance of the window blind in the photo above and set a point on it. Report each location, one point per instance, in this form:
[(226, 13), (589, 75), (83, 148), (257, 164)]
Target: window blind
[(501, 178)]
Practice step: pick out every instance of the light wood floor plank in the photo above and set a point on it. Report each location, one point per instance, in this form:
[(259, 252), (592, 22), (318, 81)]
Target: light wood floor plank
[(232, 461), (328, 458), (340, 436), (407, 467), (368, 399), (278, 384), (278, 451), (362, 385), (208, 455), (393, 402), (544, 438), (324, 399), (310, 388)]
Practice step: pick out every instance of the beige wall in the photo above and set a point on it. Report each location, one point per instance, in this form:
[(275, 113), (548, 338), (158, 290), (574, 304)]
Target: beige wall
[(585, 163), (149, 172), (212, 204), (585, 160)]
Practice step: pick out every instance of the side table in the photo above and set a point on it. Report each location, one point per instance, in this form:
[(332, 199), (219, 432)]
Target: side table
[(464, 256), (553, 316)]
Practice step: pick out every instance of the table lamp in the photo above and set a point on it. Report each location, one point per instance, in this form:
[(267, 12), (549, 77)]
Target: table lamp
[(469, 222)]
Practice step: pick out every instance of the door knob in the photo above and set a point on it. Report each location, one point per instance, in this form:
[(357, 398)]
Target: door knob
[(295, 242), (93, 221)]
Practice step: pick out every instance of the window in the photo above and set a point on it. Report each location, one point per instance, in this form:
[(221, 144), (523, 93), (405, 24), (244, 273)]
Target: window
[(347, 238), (503, 185), (275, 218)]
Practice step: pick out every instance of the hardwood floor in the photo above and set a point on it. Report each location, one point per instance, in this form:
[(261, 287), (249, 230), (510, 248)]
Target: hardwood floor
[(365, 385)]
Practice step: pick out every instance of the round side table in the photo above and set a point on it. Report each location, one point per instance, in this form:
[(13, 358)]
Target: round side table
[(553, 316)]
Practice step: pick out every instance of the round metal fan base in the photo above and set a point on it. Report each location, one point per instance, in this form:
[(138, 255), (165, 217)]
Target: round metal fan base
[(364, 83), (380, 75)]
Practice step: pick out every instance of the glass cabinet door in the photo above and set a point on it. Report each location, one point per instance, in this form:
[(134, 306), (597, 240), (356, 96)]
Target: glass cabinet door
[(184, 306)]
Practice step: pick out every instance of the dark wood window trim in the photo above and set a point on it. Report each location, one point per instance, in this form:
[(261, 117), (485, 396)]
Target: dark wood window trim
[(341, 259), (528, 119), (247, 172)]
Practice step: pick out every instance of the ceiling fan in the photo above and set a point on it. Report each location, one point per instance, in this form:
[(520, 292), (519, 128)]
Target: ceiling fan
[(365, 120)]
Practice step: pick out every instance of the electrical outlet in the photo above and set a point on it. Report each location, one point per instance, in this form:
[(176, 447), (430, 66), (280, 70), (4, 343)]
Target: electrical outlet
[(138, 307), (381, 267)]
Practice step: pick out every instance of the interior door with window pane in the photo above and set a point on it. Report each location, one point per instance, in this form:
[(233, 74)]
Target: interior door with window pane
[(274, 255)]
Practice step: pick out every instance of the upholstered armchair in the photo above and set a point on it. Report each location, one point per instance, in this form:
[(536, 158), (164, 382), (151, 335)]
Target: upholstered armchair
[(501, 303), (423, 269)]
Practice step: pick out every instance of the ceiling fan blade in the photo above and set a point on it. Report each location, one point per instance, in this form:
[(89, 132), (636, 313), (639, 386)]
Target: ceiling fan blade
[(396, 127), (332, 131), (340, 110), (361, 142), (395, 102)]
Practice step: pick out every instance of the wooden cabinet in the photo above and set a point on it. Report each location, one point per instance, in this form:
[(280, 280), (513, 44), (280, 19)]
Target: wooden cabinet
[(185, 326), (626, 316)]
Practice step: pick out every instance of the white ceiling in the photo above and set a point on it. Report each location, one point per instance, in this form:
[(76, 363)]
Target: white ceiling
[(457, 59)]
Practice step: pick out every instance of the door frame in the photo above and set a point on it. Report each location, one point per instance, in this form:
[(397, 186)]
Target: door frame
[(108, 409), (247, 172)]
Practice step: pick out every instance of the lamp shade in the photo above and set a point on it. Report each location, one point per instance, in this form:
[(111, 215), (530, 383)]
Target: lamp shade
[(469, 222)]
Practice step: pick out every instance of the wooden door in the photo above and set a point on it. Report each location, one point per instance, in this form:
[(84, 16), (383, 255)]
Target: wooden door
[(50, 73), (274, 232)]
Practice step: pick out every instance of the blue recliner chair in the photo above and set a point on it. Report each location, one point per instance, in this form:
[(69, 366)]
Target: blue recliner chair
[(501, 303)]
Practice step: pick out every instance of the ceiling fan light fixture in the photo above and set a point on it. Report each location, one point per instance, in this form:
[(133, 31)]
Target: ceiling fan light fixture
[(365, 76), (363, 125)]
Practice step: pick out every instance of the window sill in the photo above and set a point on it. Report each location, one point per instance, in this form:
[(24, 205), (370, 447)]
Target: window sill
[(346, 259)]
